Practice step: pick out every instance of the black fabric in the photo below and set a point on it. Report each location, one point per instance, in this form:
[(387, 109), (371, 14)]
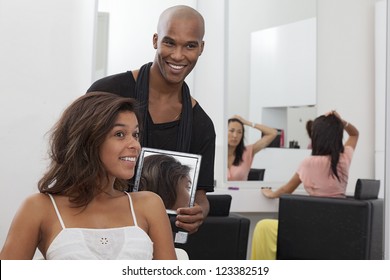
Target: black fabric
[(164, 136), (122, 84)]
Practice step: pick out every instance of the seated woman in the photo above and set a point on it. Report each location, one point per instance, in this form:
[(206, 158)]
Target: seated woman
[(324, 173), (169, 178), (240, 157), (82, 210)]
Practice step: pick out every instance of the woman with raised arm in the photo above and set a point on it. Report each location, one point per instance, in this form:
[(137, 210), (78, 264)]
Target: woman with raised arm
[(240, 156)]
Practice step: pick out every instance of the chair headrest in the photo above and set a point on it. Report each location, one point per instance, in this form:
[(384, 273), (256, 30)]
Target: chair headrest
[(256, 174), (367, 189), (219, 204)]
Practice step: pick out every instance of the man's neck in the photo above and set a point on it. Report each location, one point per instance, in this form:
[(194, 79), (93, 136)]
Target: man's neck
[(159, 86)]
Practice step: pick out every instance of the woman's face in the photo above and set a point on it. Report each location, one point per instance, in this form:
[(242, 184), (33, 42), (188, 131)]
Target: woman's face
[(235, 132), (183, 193), (121, 148)]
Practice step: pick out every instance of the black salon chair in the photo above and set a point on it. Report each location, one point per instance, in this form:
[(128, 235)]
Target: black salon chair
[(320, 228), (256, 174), (222, 236)]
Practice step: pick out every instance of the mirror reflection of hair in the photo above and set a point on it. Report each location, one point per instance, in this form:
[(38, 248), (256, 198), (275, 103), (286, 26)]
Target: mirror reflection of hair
[(167, 177)]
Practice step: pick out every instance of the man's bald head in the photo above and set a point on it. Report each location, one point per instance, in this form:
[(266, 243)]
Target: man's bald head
[(180, 12)]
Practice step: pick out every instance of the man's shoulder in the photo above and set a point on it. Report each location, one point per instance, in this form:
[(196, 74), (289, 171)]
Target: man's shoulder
[(202, 120), (116, 83), (200, 114)]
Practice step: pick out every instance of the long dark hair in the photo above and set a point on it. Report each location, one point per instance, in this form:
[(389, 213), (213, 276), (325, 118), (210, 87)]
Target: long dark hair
[(327, 139), (75, 169), (240, 147)]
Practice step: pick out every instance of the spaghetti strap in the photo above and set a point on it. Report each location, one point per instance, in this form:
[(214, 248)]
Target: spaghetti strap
[(132, 209), (57, 212)]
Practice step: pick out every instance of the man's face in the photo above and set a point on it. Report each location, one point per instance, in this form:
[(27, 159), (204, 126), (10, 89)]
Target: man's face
[(179, 44)]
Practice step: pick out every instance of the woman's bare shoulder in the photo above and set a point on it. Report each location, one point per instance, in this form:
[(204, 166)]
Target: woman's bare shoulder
[(147, 200), (36, 201), (145, 196)]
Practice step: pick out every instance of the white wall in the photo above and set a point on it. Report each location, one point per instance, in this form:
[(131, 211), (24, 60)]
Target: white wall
[(380, 88), (346, 74), (131, 28), (283, 65), (46, 62)]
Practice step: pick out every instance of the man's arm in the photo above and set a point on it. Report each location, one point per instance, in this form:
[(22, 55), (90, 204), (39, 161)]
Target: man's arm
[(202, 201), (122, 84)]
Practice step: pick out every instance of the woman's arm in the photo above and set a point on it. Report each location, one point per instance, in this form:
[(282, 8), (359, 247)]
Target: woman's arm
[(24, 233), (353, 132), (160, 230), (289, 187), (268, 133)]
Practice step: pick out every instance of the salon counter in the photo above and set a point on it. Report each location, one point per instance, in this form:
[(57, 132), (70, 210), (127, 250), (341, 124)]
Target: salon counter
[(247, 197)]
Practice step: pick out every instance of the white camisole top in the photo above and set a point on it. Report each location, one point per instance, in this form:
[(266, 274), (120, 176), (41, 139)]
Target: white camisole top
[(123, 243)]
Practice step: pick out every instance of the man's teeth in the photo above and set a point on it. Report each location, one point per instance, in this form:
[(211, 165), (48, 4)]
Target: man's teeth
[(128, 158), (177, 67)]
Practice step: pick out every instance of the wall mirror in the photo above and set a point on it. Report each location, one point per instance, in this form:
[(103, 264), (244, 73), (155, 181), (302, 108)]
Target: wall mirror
[(275, 83), (172, 175)]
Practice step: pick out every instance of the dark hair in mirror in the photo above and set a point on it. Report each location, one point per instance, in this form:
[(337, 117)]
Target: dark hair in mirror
[(309, 127), (240, 147), (327, 139), (161, 175)]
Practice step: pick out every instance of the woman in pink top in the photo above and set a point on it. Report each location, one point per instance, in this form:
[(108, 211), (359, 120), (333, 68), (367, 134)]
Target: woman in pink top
[(324, 173), (240, 157)]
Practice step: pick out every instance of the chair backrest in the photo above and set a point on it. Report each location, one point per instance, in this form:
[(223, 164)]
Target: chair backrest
[(367, 189), (256, 174), (220, 237), (219, 204), (329, 228)]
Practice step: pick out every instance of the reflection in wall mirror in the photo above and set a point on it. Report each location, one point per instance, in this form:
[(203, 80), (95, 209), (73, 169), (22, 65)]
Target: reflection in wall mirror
[(275, 84), (172, 175), (283, 78)]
